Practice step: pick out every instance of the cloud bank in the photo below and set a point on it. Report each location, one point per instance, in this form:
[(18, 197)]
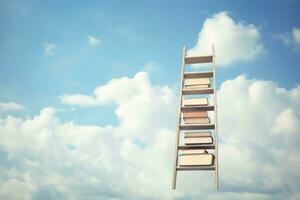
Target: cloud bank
[(44, 158)]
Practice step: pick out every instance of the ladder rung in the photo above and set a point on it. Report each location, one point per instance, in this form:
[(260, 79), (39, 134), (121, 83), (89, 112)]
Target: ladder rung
[(198, 146), (196, 168), (198, 74), (196, 126), (198, 59), (197, 108), (198, 91)]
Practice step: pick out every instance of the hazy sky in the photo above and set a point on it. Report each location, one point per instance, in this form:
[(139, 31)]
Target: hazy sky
[(89, 94)]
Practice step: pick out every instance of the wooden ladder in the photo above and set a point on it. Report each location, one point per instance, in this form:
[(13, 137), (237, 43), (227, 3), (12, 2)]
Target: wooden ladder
[(213, 148)]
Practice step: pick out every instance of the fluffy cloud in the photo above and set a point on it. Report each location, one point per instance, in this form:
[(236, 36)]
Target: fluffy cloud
[(49, 48), (43, 157), (137, 100), (296, 36), (94, 41), (234, 41), (8, 106), (258, 120), (290, 39), (78, 99)]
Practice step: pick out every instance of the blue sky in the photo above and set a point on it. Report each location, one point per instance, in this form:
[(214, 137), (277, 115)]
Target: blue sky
[(54, 48), (132, 34)]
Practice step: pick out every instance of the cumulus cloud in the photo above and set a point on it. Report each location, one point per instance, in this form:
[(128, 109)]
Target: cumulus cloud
[(92, 155), (10, 106), (78, 99), (296, 35), (94, 41), (234, 41), (290, 39), (259, 137), (49, 48), (131, 95), (251, 111)]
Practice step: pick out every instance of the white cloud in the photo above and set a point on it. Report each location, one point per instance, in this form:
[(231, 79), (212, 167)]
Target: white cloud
[(234, 41), (49, 48), (259, 137), (290, 39), (296, 36), (78, 99), (94, 41), (130, 94), (9, 106)]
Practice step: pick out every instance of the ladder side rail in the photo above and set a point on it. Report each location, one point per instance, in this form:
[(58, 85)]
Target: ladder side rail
[(216, 120), (178, 121)]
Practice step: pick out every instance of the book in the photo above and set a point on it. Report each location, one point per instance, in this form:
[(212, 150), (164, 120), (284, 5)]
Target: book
[(195, 102), (197, 120), (197, 86), (197, 81), (192, 151), (198, 140), (205, 159), (197, 134), (191, 114)]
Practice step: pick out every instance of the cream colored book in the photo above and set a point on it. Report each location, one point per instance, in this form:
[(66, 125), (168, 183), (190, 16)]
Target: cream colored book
[(192, 151), (196, 86), (195, 102), (196, 159), (198, 140), (197, 81), (197, 120), (190, 114), (197, 134)]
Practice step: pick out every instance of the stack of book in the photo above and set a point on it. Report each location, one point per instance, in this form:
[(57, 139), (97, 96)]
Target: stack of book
[(197, 83), (196, 138), (196, 157), (195, 102), (195, 117)]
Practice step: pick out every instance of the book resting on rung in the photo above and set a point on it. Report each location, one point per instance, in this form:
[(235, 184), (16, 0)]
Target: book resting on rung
[(197, 134), (205, 159), (198, 140), (191, 114), (197, 86), (197, 81), (192, 151), (196, 120), (195, 102)]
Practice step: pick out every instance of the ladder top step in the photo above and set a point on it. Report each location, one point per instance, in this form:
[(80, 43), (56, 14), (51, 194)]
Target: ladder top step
[(197, 108), (198, 59), (196, 168), (198, 91), (198, 146), (198, 74), (196, 126)]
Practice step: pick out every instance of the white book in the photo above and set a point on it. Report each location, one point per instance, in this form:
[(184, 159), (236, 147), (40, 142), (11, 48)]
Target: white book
[(197, 120), (197, 134), (198, 140), (192, 151), (195, 102), (197, 81), (197, 86), (196, 159), (194, 114)]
